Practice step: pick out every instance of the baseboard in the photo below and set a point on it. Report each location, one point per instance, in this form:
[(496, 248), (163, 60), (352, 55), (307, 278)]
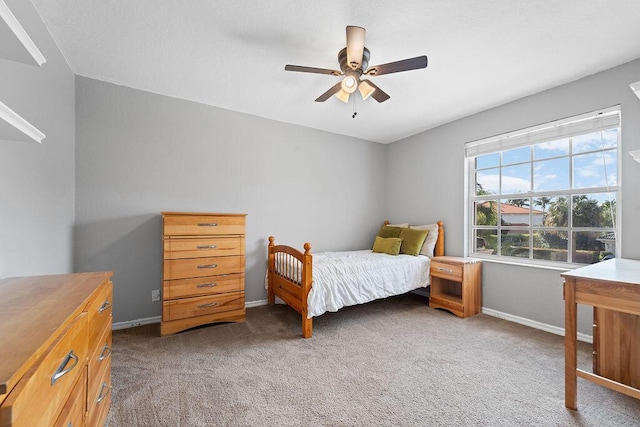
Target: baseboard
[(255, 303), (134, 323), (534, 324)]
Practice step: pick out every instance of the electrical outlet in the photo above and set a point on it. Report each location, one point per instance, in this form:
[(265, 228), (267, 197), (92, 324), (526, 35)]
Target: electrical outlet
[(155, 295)]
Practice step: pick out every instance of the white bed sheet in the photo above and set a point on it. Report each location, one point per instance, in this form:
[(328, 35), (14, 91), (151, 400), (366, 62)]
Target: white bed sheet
[(342, 279)]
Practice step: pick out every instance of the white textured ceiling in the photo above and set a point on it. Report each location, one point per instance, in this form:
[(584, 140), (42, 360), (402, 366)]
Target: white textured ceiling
[(231, 54)]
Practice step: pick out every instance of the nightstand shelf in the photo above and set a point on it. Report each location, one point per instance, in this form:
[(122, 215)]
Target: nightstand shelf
[(456, 285)]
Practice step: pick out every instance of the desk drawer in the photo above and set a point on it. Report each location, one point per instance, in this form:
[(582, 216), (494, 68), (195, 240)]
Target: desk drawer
[(202, 267), (446, 271), (198, 248), (181, 288), (202, 225), (200, 306), (42, 392)]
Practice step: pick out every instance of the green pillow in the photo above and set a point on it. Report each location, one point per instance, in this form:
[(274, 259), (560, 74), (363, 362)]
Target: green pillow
[(389, 231), (412, 240), (387, 245)]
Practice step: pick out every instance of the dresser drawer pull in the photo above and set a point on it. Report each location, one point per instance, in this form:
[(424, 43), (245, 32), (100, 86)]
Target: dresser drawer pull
[(209, 304), (105, 306), (104, 389), (106, 351), (208, 266), (61, 371), (206, 285), (207, 246), (207, 224), (445, 270)]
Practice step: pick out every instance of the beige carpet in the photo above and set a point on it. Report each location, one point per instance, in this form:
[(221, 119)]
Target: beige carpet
[(393, 362)]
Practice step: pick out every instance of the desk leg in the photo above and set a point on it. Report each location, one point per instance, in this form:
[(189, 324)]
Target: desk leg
[(570, 347)]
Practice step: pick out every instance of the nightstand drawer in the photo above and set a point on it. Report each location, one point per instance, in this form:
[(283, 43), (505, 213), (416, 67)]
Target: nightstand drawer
[(202, 225), (446, 271)]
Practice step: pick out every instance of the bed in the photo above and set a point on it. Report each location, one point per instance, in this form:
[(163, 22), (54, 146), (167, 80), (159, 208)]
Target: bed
[(328, 281)]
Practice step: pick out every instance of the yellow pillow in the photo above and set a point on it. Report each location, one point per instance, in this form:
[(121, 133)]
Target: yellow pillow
[(412, 240), (389, 231), (387, 245)]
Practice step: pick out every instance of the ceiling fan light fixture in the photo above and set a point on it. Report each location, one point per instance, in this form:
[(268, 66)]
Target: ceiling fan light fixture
[(343, 96), (365, 89), (349, 84)]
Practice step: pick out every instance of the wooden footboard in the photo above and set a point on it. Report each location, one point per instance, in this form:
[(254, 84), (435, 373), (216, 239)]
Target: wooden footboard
[(289, 278)]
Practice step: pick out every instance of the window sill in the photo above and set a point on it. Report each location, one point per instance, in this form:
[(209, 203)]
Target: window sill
[(528, 263)]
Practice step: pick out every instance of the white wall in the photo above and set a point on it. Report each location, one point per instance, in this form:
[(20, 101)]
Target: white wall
[(426, 180), (139, 154), (37, 181)]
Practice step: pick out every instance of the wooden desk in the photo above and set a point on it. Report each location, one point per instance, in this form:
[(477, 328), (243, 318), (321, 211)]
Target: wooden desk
[(608, 286)]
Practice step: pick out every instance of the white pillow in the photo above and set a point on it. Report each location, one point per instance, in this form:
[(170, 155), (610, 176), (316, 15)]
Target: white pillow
[(430, 242), (405, 225)]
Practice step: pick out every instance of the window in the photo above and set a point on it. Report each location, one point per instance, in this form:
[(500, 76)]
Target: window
[(547, 194)]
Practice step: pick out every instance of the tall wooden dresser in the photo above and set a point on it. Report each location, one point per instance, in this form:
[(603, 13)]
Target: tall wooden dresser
[(203, 269), (55, 364)]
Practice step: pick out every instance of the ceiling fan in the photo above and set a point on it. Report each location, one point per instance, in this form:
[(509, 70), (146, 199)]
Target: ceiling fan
[(354, 63)]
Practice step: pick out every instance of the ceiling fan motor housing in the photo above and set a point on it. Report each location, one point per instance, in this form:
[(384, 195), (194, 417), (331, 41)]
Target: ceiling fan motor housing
[(344, 65)]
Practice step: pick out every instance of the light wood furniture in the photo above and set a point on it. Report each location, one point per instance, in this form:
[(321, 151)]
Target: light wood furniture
[(613, 288), (203, 269), (296, 292), (456, 285), (55, 364)]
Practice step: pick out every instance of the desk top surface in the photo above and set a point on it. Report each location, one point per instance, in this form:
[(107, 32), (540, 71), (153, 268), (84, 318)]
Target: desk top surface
[(618, 270)]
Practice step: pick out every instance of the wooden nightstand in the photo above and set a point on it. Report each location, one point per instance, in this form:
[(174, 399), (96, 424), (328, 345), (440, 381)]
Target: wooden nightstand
[(456, 285)]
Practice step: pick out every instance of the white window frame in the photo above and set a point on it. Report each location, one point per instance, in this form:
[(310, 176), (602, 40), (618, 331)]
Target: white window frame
[(604, 119)]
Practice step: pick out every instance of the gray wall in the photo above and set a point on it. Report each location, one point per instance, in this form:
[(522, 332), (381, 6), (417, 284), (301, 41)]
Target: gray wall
[(426, 181), (140, 153), (37, 181)]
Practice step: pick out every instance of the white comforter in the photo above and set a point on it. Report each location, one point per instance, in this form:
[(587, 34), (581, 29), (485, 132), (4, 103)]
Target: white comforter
[(341, 279)]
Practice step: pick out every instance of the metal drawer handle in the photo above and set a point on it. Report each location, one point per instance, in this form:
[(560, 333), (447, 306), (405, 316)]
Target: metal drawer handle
[(445, 270), (208, 266), (207, 246), (207, 224), (61, 371), (101, 396), (106, 351), (209, 304), (206, 285), (105, 306)]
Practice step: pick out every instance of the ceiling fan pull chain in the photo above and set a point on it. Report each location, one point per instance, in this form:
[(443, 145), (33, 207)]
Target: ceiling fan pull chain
[(355, 113)]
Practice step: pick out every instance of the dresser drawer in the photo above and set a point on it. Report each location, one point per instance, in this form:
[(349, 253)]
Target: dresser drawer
[(446, 271), (202, 267), (39, 395), (99, 398), (197, 248), (199, 306), (172, 289), (99, 311), (99, 360), (73, 411), (202, 225)]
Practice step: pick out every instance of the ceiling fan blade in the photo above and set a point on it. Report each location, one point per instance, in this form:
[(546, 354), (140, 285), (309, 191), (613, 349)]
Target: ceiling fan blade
[(314, 70), (355, 46), (378, 94), (328, 94), (397, 66)]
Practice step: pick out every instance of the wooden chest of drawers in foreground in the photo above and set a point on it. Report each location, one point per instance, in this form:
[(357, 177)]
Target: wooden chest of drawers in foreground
[(203, 269), (55, 336), (456, 285)]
